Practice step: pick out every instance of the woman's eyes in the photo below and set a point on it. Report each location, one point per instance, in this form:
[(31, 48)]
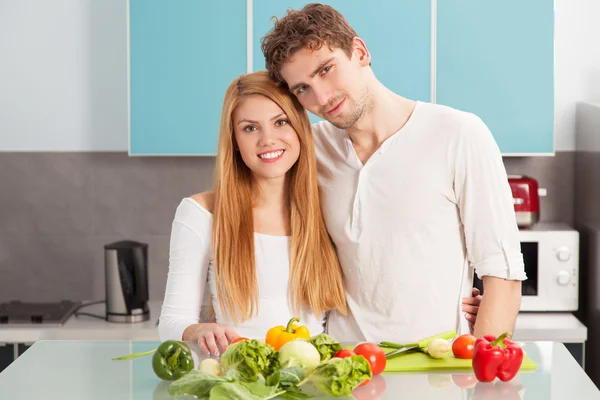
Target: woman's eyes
[(253, 128)]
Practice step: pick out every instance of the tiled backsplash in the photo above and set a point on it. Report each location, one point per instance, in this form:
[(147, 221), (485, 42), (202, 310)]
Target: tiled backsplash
[(58, 210)]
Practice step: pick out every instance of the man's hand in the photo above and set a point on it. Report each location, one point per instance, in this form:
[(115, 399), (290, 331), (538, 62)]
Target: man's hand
[(470, 305), (499, 306)]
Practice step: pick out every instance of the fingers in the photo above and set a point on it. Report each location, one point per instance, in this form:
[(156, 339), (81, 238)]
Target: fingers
[(221, 339), (470, 309), (214, 336), (203, 346), (231, 334), (475, 292), (474, 301), (212, 344)]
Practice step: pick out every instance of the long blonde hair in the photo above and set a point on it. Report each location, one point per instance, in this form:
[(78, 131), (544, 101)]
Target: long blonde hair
[(315, 274)]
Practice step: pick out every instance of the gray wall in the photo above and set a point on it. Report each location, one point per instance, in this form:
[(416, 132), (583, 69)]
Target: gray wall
[(587, 222), (58, 210)]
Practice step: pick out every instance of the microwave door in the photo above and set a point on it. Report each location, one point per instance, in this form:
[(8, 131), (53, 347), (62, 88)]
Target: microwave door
[(530, 288), (530, 251)]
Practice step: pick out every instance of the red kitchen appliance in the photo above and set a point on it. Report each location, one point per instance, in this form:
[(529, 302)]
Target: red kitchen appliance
[(526, 199)]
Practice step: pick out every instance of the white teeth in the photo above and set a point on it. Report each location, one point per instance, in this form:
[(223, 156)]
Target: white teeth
[(274, 154)]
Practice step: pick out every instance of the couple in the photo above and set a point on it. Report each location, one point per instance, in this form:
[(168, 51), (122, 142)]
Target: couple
[(414, 199)]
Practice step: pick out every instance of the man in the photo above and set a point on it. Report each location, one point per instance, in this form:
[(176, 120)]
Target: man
[(415, 195)]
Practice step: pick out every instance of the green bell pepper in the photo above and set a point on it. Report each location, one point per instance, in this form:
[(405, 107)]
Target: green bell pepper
[(172, 360)]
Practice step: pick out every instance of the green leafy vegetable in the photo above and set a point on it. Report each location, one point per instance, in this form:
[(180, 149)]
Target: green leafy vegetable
[(339, 376), (286, 377), (291, 376), (251, 359), (195, 383), (244, 391), (293, 393), (326, 345)]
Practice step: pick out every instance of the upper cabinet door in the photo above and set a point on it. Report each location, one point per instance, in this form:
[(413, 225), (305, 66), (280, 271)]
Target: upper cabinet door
[(496, 59), (396, 32), (182, 54)]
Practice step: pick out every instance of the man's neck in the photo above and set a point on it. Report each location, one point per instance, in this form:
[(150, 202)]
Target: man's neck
[(386, 115)]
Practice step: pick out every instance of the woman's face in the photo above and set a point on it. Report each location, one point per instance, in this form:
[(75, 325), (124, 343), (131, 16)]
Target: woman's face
[(267, 142)]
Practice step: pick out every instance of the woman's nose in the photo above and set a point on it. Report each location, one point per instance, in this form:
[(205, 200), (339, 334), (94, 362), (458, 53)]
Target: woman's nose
[(267, 136)]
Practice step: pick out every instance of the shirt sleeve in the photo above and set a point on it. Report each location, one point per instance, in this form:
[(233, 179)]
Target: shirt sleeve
[(486, 204), (189, 258)]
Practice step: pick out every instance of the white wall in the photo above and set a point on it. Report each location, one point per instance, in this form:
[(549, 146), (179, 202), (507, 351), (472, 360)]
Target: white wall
[(577, 64), (63, 75), (63, 72)]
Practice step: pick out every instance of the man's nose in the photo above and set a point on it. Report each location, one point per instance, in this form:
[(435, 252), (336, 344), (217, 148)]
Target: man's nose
[(322, 95)]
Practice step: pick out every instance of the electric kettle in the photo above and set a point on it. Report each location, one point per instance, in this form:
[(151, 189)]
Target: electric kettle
[(126, 276)]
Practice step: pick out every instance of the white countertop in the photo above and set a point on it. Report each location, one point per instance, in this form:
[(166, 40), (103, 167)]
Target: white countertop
[(85, 370), (558, 327)]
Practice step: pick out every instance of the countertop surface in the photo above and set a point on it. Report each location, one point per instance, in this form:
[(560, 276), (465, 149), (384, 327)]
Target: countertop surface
[(85, 370), (559, 327)]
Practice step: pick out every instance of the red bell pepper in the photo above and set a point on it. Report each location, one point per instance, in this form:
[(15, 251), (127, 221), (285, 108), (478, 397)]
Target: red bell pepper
[(496, 357)]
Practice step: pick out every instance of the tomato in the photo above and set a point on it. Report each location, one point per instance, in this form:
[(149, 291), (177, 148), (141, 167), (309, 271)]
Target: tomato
[(344, 353), (374, 355), (463, 346), (240, 339)]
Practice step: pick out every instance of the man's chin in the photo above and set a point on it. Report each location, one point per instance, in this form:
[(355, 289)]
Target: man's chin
[(341, 123)]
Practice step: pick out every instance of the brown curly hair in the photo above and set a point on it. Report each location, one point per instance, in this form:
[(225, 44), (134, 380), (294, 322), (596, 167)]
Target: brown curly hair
[(311, 27)]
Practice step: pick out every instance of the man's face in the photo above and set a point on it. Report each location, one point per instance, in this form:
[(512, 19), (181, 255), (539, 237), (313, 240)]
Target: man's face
[(330, 84)]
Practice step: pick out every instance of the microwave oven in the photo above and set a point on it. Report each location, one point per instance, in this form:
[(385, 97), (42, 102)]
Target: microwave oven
[(551, 257)]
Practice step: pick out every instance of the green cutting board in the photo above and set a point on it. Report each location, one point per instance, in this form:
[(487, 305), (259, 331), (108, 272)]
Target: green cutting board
[(417, 361)]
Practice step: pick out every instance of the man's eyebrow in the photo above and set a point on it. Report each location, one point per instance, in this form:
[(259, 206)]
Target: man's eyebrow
[(321, 66), (315, 72)]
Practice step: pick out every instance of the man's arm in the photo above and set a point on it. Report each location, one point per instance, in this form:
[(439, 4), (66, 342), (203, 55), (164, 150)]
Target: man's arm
[(499, 306), (491, 234)]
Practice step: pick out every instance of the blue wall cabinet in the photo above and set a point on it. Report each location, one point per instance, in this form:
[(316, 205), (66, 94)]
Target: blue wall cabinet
[(183, 54), (396, 32), (496, 59)]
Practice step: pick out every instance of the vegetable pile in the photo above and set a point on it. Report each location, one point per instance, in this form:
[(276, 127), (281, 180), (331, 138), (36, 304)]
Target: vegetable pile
[(279, 367), (289, 358)]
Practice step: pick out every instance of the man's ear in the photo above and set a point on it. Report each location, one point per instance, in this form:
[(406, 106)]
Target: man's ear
[(360, 51)]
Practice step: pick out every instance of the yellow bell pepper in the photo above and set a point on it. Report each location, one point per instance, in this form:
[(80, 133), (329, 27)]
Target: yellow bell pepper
[(280, 335)]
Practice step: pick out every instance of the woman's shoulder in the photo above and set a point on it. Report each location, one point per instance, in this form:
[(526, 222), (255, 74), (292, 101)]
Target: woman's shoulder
[(205, 199), (195, 211)]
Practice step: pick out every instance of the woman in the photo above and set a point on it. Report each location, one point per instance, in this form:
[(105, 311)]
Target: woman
[(259, 239)]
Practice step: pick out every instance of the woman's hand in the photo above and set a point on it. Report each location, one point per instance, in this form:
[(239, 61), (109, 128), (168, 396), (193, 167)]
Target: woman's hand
[(210, 336), (470, 305)]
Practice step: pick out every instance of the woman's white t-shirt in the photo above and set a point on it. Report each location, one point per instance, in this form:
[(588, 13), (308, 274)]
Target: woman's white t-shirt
[(192, 273)]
